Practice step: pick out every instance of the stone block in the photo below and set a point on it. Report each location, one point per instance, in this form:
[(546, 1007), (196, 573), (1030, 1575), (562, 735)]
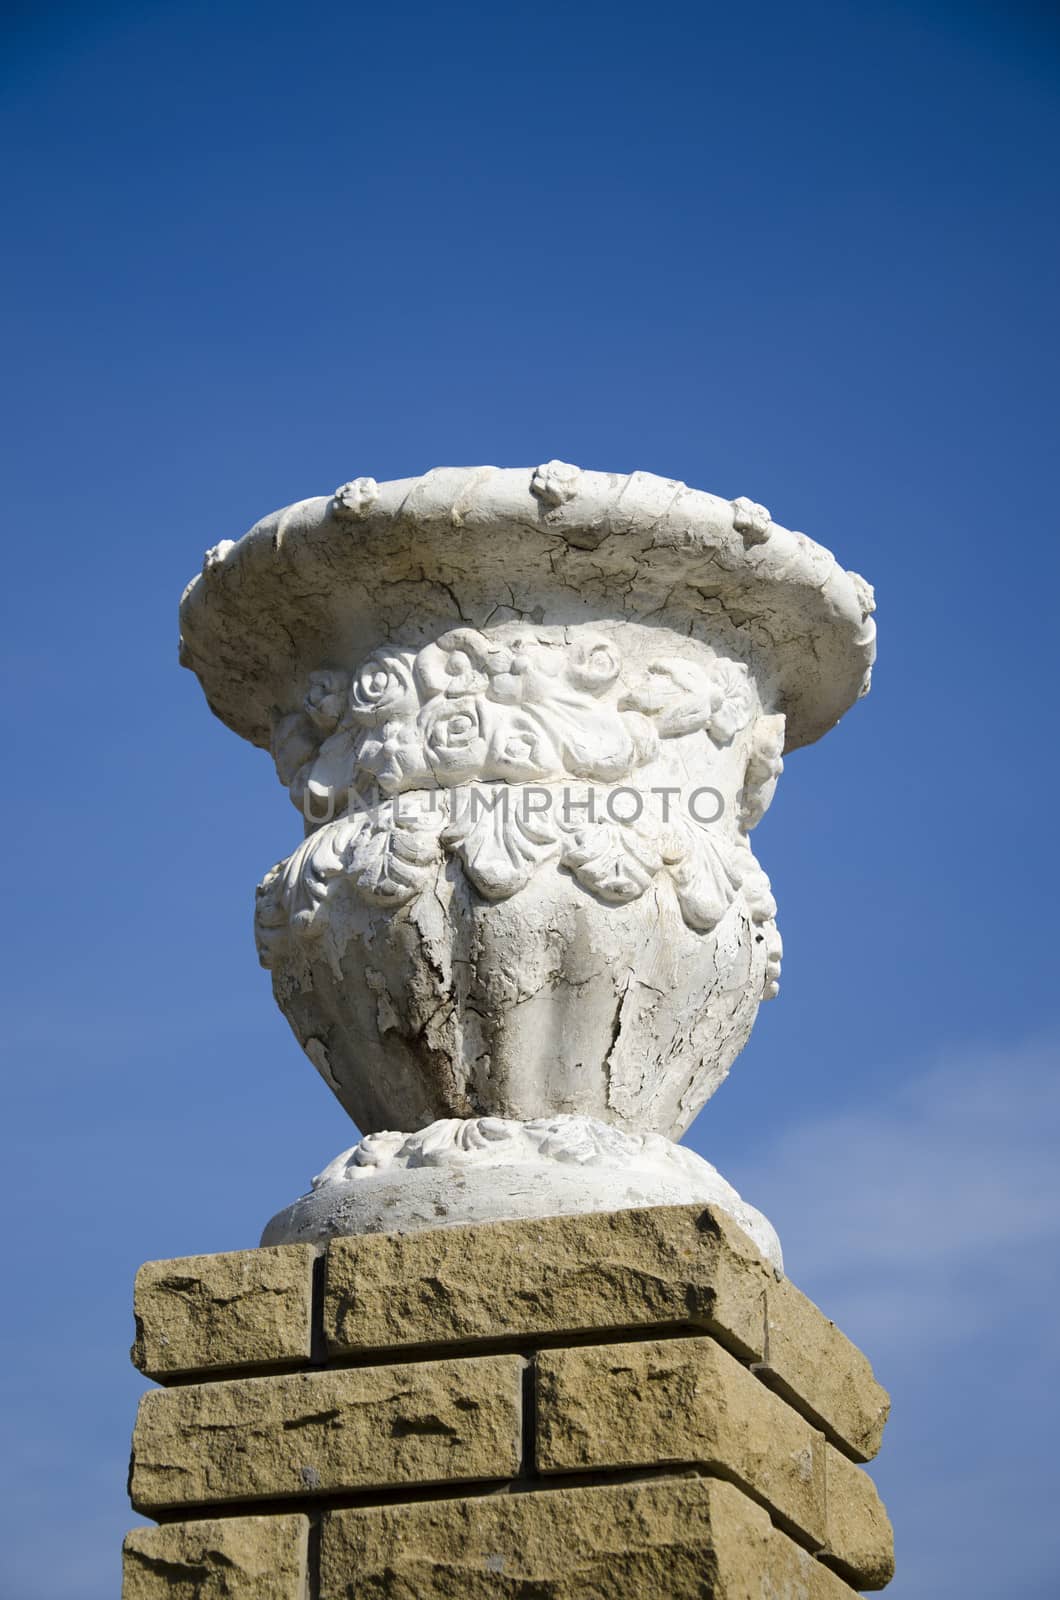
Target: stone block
[(319, 1433), (816, 1368), (667, 1402), (684, 1538), (860, 1538), (558, 1277), (223, 1558), (247, 1308), (547, 1279)]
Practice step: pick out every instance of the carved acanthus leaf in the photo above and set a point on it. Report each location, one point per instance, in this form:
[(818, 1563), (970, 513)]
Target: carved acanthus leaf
[(291, 895), (393, 855), (387, 853), (572, 1141), (617, 861), (499, 838), (704, 876)]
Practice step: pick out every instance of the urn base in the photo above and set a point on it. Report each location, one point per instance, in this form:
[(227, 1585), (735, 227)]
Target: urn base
[(492, 1169)]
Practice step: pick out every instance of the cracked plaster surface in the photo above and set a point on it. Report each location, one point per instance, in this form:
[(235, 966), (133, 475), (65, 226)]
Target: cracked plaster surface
[(412, 650)]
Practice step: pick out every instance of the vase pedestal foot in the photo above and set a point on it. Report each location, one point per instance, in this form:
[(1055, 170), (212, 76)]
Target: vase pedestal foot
[(493, 1169)]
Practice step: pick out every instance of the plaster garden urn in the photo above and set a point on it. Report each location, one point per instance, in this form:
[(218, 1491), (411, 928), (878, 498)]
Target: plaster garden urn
[(529, 718)]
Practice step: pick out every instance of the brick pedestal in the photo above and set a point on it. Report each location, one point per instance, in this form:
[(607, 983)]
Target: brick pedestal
[(627, 1406)]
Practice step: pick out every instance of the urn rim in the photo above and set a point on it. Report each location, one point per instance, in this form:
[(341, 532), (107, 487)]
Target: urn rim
[(310, 584)]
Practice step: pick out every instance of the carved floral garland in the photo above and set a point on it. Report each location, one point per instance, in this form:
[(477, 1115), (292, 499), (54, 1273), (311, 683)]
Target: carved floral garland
[(576, 1141), (442, 751)]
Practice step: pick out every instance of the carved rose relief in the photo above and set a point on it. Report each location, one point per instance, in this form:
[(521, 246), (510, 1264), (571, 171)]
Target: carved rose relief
[(451, 751), (521, 709)]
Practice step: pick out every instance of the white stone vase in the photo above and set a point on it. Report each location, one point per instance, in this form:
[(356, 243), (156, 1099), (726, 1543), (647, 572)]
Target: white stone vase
[(529, 718)]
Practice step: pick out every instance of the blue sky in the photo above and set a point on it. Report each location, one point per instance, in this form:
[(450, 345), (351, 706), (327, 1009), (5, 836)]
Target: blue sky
[(807, 254)]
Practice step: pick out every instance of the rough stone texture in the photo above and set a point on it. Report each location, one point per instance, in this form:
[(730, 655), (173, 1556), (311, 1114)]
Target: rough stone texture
[(672, 1539), (540, 1279), (669, 1402), (695, 1464), (816, 1368), (681, 1401), (550, 1278), (860, 1536), (226, 1558), (248, 1308), (319, 1433)]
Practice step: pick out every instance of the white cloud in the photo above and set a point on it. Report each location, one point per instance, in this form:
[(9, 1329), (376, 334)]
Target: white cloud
[(954, 1175), (927, 1225)]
